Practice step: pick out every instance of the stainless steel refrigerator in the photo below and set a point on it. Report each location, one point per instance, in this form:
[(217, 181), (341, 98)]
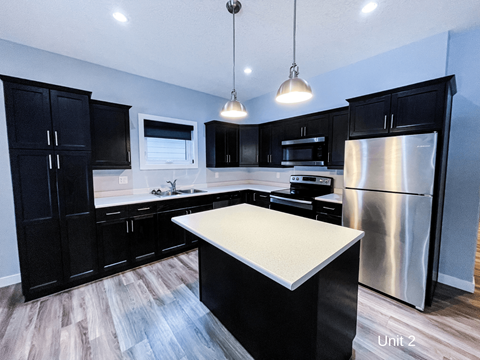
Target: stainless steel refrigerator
[(389, 187)]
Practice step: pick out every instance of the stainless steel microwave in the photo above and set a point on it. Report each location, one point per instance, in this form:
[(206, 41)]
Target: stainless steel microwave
[(306, 152)]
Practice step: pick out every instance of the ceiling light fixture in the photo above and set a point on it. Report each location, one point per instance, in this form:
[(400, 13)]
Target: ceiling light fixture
[(247, 71), (120, 17), (294, 89), (233, 108), (369, 7)]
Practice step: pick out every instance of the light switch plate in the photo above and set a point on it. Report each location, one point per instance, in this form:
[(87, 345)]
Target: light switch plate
[(123, 179)]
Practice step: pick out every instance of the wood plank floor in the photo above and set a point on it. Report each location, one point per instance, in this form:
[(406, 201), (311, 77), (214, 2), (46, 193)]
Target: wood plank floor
[(153, 312)]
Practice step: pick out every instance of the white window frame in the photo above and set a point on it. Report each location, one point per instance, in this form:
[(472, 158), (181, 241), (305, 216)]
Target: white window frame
[(144, 165)]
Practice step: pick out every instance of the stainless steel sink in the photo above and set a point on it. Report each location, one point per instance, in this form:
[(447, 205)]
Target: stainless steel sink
[(167, 193), (191, 191)]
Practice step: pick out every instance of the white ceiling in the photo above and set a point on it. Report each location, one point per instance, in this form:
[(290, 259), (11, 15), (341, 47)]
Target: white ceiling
[(189, 43)]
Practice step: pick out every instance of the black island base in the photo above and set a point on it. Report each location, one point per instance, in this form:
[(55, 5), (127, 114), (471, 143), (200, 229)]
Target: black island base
[(315, 321)]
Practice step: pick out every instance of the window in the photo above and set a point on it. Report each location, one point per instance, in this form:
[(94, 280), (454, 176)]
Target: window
[(167, 143)]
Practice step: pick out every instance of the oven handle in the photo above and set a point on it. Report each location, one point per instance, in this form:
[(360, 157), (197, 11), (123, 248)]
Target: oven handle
[(292, 200)]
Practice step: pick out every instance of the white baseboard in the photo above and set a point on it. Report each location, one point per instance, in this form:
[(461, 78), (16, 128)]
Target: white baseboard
[(10, 280), (457, 283)]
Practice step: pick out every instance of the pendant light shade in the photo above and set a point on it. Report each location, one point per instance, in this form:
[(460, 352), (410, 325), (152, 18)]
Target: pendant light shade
[(233, 108), (295, 89)]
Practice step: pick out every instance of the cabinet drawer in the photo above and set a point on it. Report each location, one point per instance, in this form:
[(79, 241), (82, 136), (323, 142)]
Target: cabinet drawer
[(142, 209), (111, 213), (329, 208)]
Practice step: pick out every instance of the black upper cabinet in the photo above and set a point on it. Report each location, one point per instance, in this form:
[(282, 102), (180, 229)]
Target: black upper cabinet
[(248, 139), (336, 138), (271, 136), (221, 141), (414, 108), (370, 116), (306, 126), (28, 116), (110, 135), (44, 116)]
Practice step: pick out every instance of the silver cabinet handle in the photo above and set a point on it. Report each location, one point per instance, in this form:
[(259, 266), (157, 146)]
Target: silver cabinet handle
[(48, 137), (316, 217), (113, 213), (50, 160), (263, 196), (301, 131), (132, 225), (328, 158), (305, 131), (129, 158), (254, 197), (127, 226), (143, 209), (58, 162), (257, 158), (328, 208), (385, 123), (391, 122), (56, 139)]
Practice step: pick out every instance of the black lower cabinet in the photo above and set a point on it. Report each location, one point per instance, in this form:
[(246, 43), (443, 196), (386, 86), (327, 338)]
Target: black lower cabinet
[(259, 198), (171, 237), (144, 238), (113, 240)]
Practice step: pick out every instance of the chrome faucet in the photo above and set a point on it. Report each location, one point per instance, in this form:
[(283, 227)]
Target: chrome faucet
[(174, 185)]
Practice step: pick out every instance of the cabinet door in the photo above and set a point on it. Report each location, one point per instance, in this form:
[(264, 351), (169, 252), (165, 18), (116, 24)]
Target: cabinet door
[(171, 236), (277, 136), (71, 120), (248, 136), (231, 135), (294, 129), (259, 198), (370, 117), (418, 109), (28, 117), (191, 238), (113, 239), (144, 238), (316, 126), (110, 135), (36, 214), (77, 213), (337, 137), (265, 132)]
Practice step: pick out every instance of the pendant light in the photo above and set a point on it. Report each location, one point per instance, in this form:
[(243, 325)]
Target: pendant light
[(294, 89), (233, 108)]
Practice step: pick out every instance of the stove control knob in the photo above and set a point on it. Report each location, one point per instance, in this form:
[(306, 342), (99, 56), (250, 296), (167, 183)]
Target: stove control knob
[(320, 181), (297, 178)]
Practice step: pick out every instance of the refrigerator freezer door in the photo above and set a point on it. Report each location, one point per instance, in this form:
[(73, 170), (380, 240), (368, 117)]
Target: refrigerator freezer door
[(403, 164), (394, 251)]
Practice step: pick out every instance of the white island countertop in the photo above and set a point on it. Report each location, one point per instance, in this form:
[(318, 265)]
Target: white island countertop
[(333, 197), (286, 248)]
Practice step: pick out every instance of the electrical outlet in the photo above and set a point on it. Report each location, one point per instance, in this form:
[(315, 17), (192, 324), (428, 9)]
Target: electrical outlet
[(216, 175), (278, 175), (123, 179)]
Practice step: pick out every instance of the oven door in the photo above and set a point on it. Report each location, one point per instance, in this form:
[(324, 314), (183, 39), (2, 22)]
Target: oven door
[(297, 207)]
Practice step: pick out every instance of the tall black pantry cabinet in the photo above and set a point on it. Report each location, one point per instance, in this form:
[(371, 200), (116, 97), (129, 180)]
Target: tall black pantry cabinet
[(49, 140)]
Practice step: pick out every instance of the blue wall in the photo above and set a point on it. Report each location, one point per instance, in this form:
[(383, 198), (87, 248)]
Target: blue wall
[(419, 61), (462, 197)]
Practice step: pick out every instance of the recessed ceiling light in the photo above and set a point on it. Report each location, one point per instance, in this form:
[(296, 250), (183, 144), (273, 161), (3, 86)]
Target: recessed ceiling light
[(120, 17), (369, 7), (247, 71)]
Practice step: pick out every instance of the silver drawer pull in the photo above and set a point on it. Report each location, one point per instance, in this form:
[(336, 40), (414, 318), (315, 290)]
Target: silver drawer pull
[(385, 122), (114, 213), (328, 208), (56, 138), (143, 209), (58, 162), (263, 196), (48, 137), (50, 160)]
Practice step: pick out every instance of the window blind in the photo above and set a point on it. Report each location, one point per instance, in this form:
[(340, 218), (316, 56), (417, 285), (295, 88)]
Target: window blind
[(165, 130)]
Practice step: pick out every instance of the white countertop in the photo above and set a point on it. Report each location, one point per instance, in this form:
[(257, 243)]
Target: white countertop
[(286, 248), (142, 198), (334, 197)]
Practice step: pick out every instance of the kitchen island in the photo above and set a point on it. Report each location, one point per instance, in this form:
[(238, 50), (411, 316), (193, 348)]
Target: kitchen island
[(284, 286)]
